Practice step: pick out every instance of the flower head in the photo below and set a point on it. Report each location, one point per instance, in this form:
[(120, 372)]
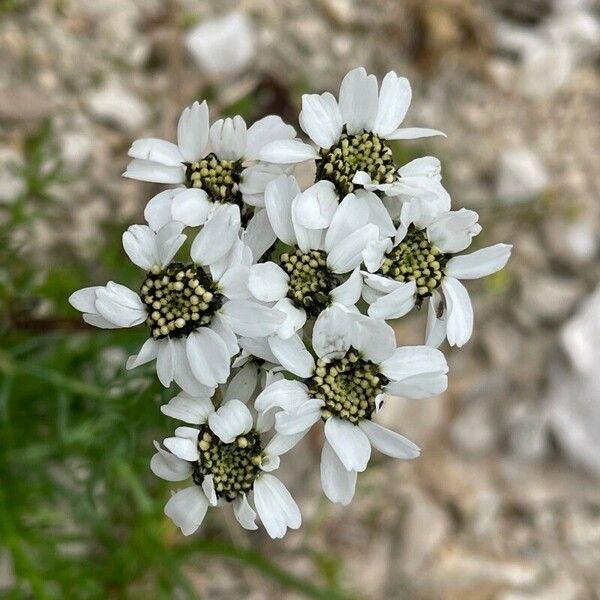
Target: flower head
[(227, 461)]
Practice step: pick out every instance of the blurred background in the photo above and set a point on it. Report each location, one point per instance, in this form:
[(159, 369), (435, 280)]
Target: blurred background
[(504, 503)]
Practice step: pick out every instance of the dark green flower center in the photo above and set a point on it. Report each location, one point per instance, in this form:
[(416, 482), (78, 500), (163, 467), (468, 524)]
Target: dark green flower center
[(234, 466), (416, 259), (349, 386), (310, 280), (360, 152), (220, 179), (179, 298)]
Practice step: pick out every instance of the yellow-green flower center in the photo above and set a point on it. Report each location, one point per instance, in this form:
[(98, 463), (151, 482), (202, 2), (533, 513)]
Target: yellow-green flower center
[(349, 386), (234, 466), (415, 259), (310, 280), (179, 299), (360, 152), (220, 179)]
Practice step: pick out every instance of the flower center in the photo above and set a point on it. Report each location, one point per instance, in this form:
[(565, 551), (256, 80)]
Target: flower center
[(310, 279), (349, 387), (179, 298), (416, 259), (360, 152), (234, 466), (220, 179)]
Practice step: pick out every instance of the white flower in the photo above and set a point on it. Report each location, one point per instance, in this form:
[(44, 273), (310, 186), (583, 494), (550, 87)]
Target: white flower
[(224, 456), (350, 134), (310, 275), (223, 46), (357, 363), (194, 310), (215, 165), (421, 265)]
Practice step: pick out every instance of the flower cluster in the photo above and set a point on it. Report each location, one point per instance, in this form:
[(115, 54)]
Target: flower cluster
[(275, 319)]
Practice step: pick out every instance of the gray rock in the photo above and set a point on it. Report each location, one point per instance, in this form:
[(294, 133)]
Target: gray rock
[(521, 176), (117, 106), (550, 298)]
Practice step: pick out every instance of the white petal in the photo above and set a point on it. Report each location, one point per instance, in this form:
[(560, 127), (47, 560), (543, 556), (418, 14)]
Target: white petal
[(242, 384), (146, 170), (188, 409), (480, 263), (321, 119), (268, 282), (348, 293), (459, 312), (250, 319), (426, 166), (454, 231), (280, 444), (292, 354), (168, 241), (349, 443), (413, 133), (84, 300), (285, 394), (287, 152), (309, 239), (217, 236), (295, 318), (192, 207), (208, 356), (222, 329), (182, 371), (120, 305), (300, 420), (374, 252), (275, 506), (187, 509), (337, 482), (389, 442), (419, 387), (373, 338), (395, 304), (228, 138), (208, 487), (169, 467), (279, 195), (264, 131), (244, 513), (315, 207), (257, 347), (184, 448), (409, 361), (155, 150), (234, 282), (378, 213), (232, 419), (394, 99), (256, 177), (358, 100), (435, 332), (192, 131), (381, 284), (139, 243), (332, 333), (158, 210), (347, 255), (351, 214), (147, 352), (259, 235), (165, 361)]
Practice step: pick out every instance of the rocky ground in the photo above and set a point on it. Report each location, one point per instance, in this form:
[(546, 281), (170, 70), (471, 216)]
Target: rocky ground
[(504, 503)]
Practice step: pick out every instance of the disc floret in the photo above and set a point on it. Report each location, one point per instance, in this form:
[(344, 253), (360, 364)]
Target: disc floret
[(416, 259), (234, 466), (359, 152), (219, 178), (179, 299), (310, 279), (348, 386)]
